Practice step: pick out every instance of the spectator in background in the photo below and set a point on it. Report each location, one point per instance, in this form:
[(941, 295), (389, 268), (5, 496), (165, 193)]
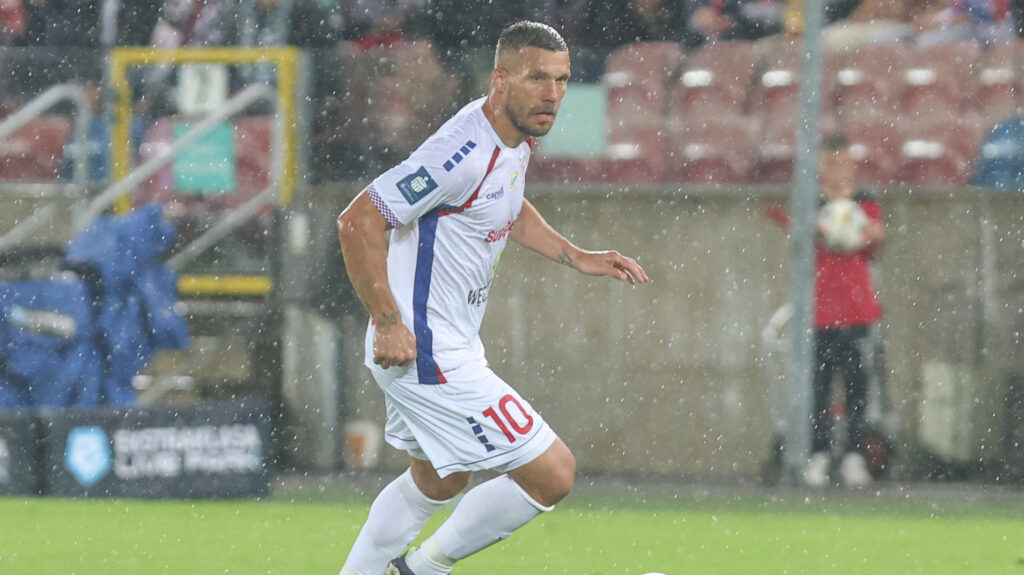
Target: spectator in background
[(133, 21), (12, 21), (373, 23), (197, 23), (873, 21), (62, 23), (612, 23), (455, 25), (753, 19), (1017, 7), (948, 21), (288, 23)]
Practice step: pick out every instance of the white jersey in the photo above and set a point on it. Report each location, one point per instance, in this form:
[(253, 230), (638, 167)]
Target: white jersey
[(452, 205)]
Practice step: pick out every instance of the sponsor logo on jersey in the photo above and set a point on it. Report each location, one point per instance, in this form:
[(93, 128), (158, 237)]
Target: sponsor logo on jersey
[(496, 195), (458, 156), (478, 297), (417, 185), (496, 235)]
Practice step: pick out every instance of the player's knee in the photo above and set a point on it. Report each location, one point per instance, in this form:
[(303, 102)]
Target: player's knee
[(560, 480), (565, 477), (443, 489)]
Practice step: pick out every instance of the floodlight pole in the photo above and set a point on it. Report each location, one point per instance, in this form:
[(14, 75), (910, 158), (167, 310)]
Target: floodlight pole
[(802, 207)]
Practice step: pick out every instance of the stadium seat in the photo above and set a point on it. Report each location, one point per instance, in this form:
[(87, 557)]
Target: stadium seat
[(35, 151), (715, 80), (776, 150), (999, 82), (634, 156), (940, 79), (637, 77), (870, 79), (712, 149), (875, 145), (938, 152)]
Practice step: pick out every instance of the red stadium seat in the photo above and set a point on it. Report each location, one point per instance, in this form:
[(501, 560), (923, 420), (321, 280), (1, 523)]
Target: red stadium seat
[(999, 82), (712, 149), (938, 152), (776, 150), (35, 151), (634, 156), (637, 77), (870, 79), (940, 79), (715, 80), (875, 144)]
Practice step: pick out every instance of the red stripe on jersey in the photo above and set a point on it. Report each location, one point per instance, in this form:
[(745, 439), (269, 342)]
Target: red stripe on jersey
[(440, 376), (469, 202)]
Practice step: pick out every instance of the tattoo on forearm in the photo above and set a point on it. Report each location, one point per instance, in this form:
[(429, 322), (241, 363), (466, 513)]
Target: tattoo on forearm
[(389, 318), (566, 259)]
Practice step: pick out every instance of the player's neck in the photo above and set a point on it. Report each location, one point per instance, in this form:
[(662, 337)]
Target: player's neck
[(506, 130)]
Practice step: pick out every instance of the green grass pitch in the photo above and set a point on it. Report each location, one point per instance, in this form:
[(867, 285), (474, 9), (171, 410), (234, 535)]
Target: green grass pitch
[(592, 533)]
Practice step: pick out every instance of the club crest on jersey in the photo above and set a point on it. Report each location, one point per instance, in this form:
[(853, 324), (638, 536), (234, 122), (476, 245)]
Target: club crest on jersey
[(513, 179), (416, 185)]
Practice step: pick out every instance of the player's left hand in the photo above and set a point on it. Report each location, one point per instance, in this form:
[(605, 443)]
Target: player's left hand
[(613, 264)]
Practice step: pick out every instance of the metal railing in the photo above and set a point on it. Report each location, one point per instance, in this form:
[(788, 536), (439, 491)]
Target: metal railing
[(92, 208), (43, 102)]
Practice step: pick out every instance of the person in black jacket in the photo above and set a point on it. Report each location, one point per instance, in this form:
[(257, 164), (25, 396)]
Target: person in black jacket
[(754, 19)]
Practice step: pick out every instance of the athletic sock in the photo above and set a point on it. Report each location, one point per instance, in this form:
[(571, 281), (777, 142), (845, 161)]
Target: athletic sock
[(488, 513), (395, 519)]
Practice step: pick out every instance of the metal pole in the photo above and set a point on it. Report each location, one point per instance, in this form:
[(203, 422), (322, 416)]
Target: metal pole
[(803, 205)]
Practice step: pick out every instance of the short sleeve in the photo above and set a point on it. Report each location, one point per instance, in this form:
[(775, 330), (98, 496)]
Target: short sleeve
[(424, 182), (872, 209)]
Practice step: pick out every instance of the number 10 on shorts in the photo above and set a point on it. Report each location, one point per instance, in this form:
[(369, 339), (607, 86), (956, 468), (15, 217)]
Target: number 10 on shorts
[(505, 420)]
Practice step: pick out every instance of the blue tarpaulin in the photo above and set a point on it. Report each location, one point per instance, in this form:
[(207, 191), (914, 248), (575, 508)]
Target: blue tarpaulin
[(78, 339)]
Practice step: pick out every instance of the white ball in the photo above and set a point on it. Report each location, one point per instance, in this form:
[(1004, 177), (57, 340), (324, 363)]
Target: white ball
[(842, 224)]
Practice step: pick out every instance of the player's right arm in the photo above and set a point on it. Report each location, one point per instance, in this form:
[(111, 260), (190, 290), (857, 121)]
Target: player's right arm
[(361, 231)]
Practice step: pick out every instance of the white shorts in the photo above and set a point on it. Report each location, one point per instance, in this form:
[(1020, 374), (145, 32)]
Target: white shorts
[(473, 422)]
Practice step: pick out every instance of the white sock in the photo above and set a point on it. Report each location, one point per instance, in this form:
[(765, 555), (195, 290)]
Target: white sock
[(395, 519), (487, 514)]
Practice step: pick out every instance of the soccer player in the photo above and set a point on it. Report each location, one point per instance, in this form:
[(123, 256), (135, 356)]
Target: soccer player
[(451, 208)]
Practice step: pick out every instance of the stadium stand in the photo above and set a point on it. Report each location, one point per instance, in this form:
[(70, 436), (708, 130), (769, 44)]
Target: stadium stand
[(637, 77), (870, 79), (999, 83), (35, 151), (715, 79), (937, 150), (713, 149), (939, 80), (875, 143)]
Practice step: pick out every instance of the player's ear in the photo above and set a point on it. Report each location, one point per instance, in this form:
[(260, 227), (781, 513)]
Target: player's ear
[(499, 79)]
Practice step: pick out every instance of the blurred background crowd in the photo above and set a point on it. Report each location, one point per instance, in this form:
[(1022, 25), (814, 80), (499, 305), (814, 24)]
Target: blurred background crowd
[(395, 68)]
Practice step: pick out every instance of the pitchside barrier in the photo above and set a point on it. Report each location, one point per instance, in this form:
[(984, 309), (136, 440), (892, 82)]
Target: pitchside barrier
[(206, 450), (19, 454)]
